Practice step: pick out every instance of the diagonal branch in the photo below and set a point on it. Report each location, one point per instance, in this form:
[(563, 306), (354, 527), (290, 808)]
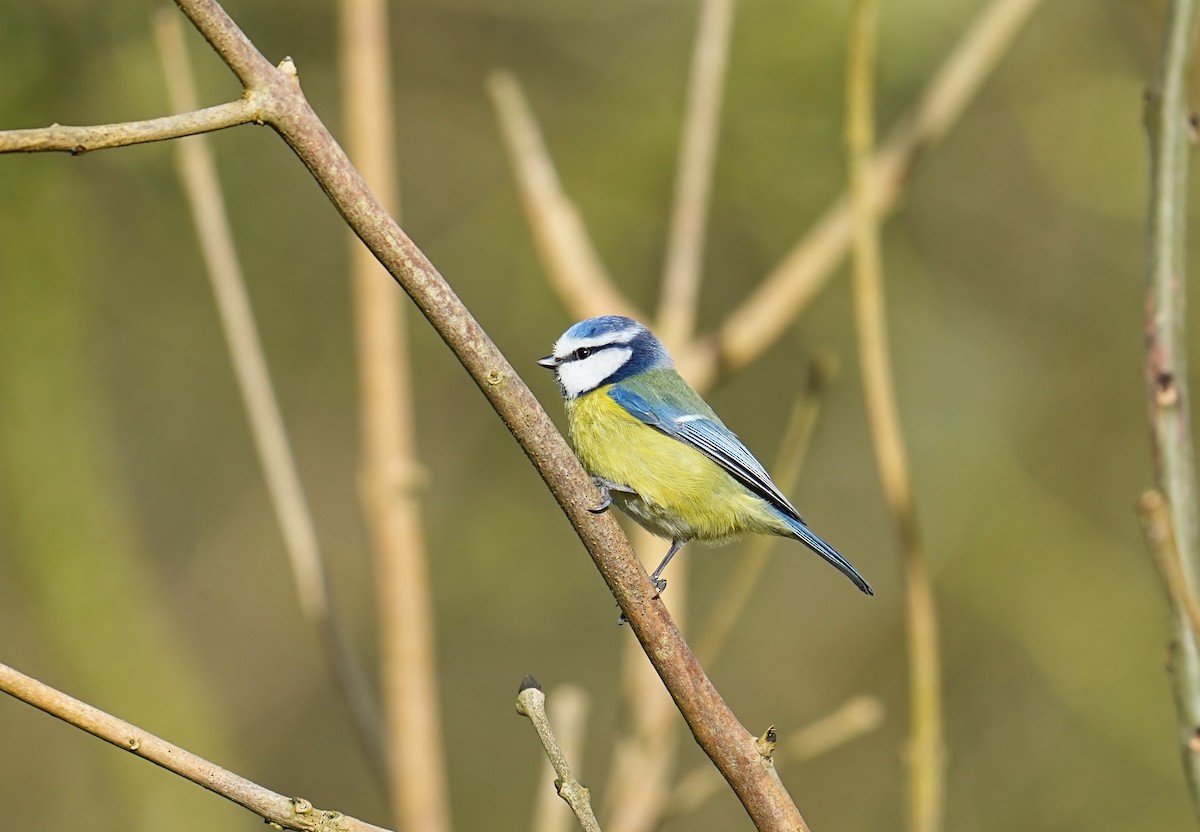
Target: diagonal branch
[(731, 747), (285, 812)]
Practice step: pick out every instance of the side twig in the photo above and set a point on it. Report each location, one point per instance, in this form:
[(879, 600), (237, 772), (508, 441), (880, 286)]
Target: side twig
[(1160, 540), (392, 478), (926, 771), (1168, 127), (531, 703), (567, 709), (80, 140), (858, 716), (285, 812), (198, 174)]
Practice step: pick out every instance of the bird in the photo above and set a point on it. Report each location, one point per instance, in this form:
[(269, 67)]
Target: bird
[(657, 450)]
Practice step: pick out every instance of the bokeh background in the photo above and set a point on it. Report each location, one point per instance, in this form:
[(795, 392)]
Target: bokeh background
[(141, 568)]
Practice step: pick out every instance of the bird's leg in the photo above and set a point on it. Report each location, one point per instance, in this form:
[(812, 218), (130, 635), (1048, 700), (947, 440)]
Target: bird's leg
[(660, 584), (605, 487)]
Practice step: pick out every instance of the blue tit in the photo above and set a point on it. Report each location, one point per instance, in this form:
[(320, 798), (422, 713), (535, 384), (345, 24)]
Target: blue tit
[(657, 450)]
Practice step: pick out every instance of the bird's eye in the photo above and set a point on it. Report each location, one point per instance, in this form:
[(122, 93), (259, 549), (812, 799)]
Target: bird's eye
[(582, 352)]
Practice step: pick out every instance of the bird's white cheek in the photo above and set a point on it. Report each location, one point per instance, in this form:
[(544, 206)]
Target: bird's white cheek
[(589, 373)]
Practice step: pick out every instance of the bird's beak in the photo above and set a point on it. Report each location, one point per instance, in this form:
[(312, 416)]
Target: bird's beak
[(550, 362)]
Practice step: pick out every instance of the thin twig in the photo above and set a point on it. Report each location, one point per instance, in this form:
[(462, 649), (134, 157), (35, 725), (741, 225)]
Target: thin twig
[(856, 717), (676, 318), (79, 140), (786, 291), (1169, 126), (531, 703), (752, 563), (287, 812), (198, 174), (926, 772), (571, 261), (391, 474), (566, 708)]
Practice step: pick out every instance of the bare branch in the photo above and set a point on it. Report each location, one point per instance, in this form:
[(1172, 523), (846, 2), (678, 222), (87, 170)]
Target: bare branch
[(79, 140), (566, 708), (288, 812), (570, 259), (531, 703)]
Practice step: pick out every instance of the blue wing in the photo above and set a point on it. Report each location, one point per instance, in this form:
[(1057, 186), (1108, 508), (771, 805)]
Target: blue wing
[(690, 420), (705, 432)]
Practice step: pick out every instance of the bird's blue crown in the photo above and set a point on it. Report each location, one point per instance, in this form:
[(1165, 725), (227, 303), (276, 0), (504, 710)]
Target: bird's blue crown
[(647, 352)]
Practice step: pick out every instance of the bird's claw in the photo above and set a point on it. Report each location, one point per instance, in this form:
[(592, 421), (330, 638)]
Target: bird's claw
[(660, 586), (606, 488), (605, 496)]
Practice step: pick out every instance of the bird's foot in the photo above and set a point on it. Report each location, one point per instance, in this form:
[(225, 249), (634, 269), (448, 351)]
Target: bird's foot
[(660, 586), (606, 487)]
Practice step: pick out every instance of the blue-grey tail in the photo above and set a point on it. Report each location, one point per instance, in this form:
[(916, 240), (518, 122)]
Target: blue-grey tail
[(806, 536)]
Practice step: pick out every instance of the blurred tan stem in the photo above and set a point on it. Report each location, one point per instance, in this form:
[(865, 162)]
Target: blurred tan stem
[(199, 176), (1169, 127), (676, 318), (758, 322), (392, 478), (276, 809), (572, 264), (752, 561), (925, 754)]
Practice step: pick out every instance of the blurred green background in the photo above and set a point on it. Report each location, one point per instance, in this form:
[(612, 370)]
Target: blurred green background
[(141, 568)]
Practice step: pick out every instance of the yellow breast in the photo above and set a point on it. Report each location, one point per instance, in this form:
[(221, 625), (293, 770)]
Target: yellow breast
[(681, 493)]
